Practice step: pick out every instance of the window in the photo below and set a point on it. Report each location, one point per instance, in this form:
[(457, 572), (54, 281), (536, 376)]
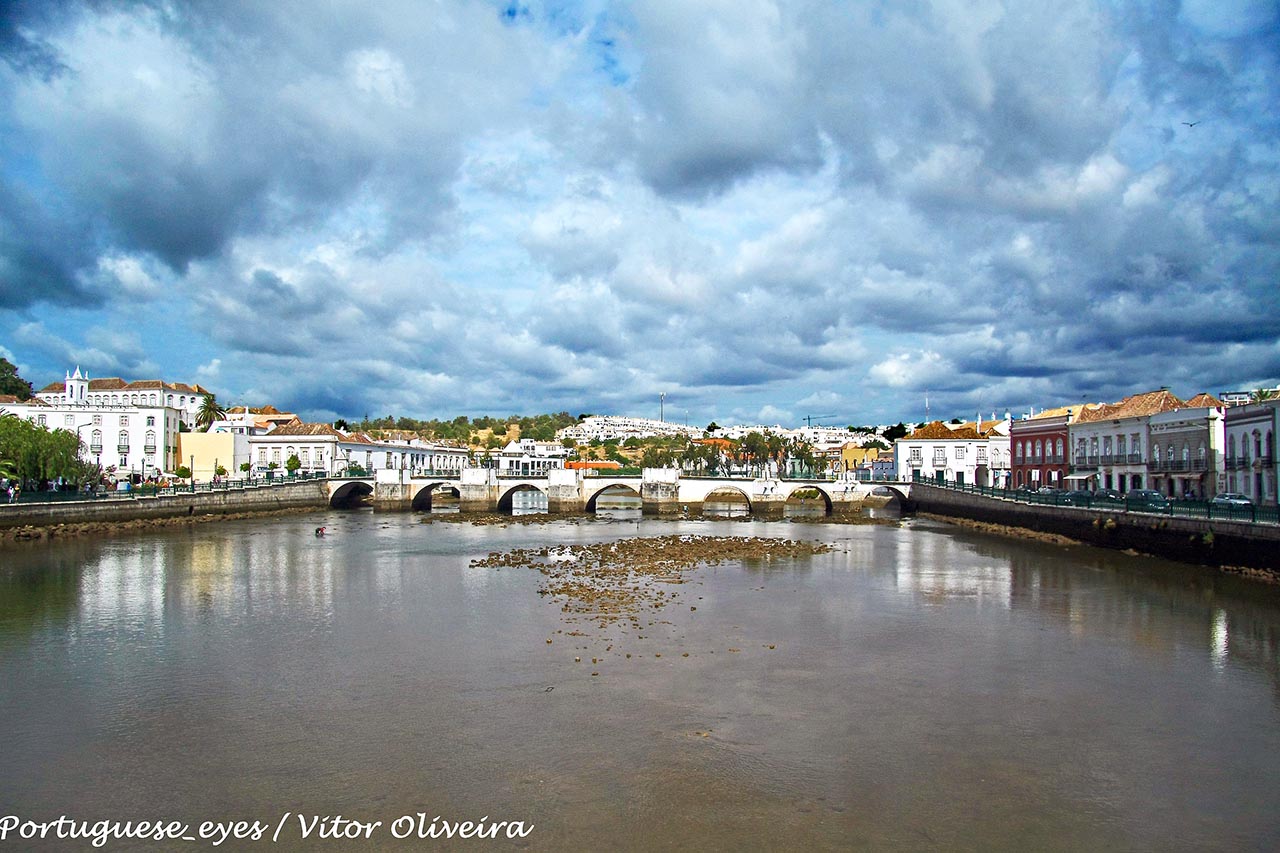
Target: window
[(151, 420), (41, 420), (262, 456), (1059, 450), (1017, 449), (940, 455), (69, 420), (97, 420), (1120, 445), (960, 452), (124, 420), (916, 455), (1169, 453), (96, 441)]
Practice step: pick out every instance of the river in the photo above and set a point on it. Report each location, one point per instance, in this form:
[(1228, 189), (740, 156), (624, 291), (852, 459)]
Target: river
[(918, 687)]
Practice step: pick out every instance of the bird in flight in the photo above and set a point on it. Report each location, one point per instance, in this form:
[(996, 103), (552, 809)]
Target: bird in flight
[(1192, 123)]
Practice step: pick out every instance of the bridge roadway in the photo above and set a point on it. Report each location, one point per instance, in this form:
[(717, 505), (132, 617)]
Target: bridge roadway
[(661, 491)]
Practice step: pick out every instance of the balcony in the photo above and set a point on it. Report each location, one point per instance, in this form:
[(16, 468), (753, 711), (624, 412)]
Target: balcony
[(1135, 458), (1265, 461), (123, 449), (915, 462), (1108, 459), (1092, 460), (148, 448), (1036, 459), (95, 448)]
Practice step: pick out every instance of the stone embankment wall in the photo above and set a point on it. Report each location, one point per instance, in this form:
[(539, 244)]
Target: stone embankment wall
[(311, 493), (1211, 542)]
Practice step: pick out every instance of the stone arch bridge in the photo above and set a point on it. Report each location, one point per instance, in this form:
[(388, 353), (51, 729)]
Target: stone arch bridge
[(661, 491)]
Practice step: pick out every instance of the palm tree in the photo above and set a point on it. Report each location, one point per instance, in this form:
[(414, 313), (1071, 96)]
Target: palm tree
[(210, 411), (1264, 394)]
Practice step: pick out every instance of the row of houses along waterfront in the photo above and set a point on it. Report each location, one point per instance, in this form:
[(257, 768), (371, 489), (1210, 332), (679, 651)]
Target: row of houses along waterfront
[(1195, 448)]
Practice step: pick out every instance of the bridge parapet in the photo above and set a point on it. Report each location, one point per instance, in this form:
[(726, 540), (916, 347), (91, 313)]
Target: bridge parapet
[(662, 490)]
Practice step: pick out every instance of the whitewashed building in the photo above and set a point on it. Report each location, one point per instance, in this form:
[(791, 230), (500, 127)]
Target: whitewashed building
[(134, 439), (80, 390), (321, 448), (975, 453), (619, 428), (528, 458)]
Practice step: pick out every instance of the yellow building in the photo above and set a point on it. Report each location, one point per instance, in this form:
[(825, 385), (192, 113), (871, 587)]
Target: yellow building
[(203, 451), (853, 456)]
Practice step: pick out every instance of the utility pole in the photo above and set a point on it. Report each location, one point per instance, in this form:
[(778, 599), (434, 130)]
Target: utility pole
[(662, 401)]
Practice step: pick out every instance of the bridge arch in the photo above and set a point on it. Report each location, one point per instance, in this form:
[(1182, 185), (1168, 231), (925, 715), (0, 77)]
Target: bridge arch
[(886, 491), (620, 489), (728, 491), (506, 502), (812, 487), (350, 495), (423, 497)]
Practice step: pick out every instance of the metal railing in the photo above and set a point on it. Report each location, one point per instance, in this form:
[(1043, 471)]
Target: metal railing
[(145, 490), (1171, 507)]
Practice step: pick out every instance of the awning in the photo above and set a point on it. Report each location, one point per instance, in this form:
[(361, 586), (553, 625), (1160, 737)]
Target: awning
[(1081, 476)]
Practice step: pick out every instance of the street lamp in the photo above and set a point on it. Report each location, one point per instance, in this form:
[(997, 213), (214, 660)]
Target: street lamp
[(662, 399)]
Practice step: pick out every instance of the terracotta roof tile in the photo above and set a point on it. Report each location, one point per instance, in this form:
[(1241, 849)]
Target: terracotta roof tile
[(1133, 406), (1204, 400), (939, 430), (299, 428)]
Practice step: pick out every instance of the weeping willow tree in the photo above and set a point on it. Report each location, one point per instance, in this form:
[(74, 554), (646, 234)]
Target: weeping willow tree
[(35, 453)]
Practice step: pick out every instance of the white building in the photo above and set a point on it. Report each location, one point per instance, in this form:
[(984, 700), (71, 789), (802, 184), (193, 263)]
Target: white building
[(78, 390), (1250, 464), (528, 458), (616, 427), (975, 453), (132, 438), (320, 447)]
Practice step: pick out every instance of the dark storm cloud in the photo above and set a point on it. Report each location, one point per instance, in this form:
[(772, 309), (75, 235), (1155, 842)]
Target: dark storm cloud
[(740, 202)]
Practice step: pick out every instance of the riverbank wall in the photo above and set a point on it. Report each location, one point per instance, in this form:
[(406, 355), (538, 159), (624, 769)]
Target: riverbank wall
[(250, 499), (1212, 542)]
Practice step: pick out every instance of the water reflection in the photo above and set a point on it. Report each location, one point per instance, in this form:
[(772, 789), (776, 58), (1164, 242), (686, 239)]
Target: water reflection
[(918, 679)]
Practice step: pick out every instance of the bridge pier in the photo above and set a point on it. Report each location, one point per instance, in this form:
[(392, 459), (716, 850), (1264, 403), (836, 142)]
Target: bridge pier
[(564, 492), (660, 491), (478, 490)]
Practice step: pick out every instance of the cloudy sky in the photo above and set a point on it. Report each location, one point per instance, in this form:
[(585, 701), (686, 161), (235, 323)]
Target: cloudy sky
[(764, 210)]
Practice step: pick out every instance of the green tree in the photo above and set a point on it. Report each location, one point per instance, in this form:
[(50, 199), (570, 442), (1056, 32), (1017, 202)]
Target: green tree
[(220, 471), (898, 430), (1259, 394), (341, 423), (32, 452), (12, 383), (210, 411), (293, 463), (246, 467), (183, 472)]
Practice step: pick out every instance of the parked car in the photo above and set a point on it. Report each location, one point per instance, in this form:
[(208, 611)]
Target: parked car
[(1147, 499), (1108, 495), (1077, 497), (1231, 499)]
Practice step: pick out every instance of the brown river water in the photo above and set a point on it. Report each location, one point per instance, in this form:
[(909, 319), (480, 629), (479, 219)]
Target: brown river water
[(917, 687)]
